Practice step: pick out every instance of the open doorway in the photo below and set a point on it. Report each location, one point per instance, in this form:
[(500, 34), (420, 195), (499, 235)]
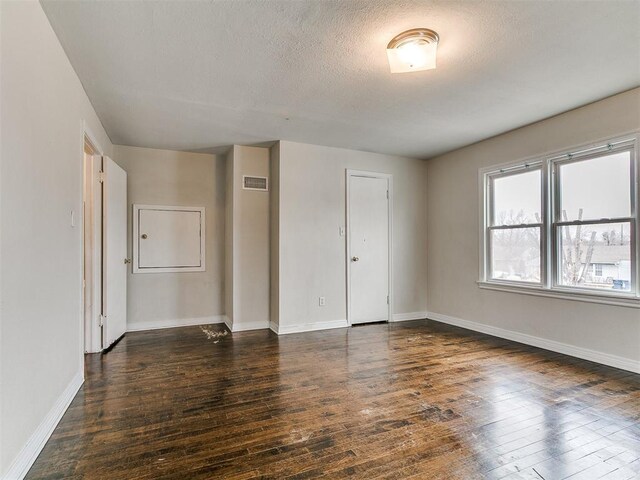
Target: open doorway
[(104, 257), (91, 243)]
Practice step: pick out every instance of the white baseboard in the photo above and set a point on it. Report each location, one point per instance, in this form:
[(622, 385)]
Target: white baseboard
[(559, 347), (309, 327), (30, 451), (173, 323), (227, 321), (403, 317), (246, 326)]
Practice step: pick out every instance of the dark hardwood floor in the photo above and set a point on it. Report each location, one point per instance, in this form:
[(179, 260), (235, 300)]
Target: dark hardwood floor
[(412, 400)]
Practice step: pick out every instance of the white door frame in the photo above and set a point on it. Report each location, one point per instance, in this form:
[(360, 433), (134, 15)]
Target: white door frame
[(385, 176), (91, 335)]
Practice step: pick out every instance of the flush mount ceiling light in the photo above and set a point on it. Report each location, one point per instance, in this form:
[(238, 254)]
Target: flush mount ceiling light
[(413, 51)]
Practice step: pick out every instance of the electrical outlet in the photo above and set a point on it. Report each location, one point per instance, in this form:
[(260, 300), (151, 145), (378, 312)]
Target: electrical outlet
[(322, 301)]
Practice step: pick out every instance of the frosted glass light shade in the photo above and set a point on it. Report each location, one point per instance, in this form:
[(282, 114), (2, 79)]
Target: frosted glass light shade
[(413, 51)]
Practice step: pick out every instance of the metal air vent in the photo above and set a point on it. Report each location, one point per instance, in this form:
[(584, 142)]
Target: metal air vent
[(255, 183)]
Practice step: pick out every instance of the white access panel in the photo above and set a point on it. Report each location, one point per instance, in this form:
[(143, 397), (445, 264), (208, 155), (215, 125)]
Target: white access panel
[(168, 239)]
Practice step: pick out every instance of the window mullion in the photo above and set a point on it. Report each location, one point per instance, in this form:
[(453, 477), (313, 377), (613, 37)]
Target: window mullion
[(547, 220)]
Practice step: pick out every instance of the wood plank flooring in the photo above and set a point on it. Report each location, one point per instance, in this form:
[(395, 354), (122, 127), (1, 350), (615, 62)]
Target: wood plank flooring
[(417, 400)]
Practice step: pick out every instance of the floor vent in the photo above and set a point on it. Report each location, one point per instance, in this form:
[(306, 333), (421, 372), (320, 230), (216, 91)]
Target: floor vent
[(255, 183)]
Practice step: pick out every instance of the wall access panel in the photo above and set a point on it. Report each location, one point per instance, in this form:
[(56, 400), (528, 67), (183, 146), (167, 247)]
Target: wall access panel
[(168, 239)]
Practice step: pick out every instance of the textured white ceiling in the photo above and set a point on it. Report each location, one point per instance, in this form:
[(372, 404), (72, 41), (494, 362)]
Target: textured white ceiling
[(199, 75)]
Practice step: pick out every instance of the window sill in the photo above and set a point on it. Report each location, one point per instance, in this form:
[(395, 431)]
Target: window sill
[(606, 299)]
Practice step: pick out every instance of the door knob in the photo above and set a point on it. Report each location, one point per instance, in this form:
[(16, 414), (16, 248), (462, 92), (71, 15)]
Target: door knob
[(144, 236), (355, 259)]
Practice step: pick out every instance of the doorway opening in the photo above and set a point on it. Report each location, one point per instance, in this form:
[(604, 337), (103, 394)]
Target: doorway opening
[(105, 262), (91, 246)]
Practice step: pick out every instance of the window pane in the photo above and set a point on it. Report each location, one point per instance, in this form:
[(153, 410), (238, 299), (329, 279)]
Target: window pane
[(596, 256), (517, 198), (598, 187), (515, 254)]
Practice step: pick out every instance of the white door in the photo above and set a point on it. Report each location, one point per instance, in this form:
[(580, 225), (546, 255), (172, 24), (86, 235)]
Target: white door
[(114, 252), (368, 229)]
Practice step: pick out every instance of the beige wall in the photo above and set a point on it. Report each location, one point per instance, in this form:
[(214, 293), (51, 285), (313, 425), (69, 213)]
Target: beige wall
[(452, 236), (163, 177), (43, 109), (312, 254), (248, 247)]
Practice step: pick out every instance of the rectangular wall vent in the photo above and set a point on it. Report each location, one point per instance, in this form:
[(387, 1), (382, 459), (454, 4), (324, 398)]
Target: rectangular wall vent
[(255, 183)]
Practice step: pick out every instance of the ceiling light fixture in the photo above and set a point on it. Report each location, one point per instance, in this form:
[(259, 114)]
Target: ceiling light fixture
[(413, 51)]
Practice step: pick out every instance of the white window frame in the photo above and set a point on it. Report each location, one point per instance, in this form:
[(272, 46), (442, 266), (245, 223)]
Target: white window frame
[(490, 178), (549, 272)]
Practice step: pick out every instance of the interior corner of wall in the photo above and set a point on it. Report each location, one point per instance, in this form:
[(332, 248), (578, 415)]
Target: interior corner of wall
[(228, 321), (274, 327)]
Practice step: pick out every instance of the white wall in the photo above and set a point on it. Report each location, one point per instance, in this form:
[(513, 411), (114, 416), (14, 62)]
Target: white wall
[(43, 107), (163, 177), (452, 236), (251, 249), (274, 240), (228, 240), (248, 212), (312, 254)]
